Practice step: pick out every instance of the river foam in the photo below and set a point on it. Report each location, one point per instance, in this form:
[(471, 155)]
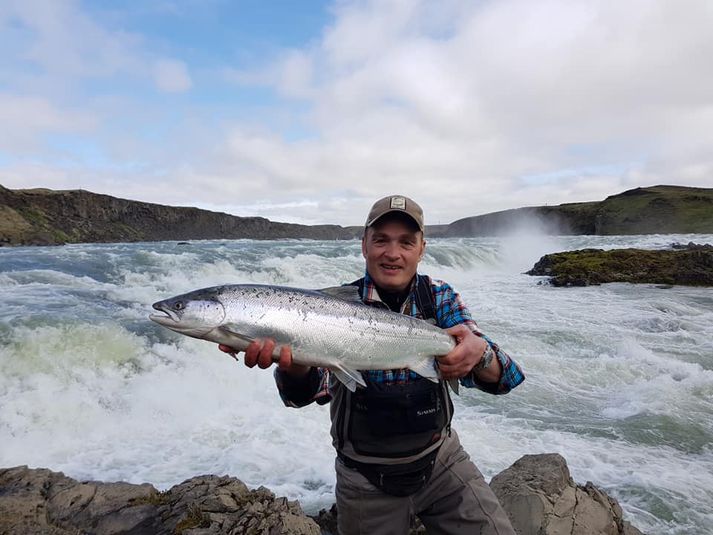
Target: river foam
[(619, 377)]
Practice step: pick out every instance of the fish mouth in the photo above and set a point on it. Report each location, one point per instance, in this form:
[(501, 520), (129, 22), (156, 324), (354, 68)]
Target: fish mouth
[(167, 317)]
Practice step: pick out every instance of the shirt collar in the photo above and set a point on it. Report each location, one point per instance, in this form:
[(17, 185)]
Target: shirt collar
[(371, 294)]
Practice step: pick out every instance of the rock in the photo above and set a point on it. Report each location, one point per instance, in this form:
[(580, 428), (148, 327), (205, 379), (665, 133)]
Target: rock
[(39, 501), (537, 492), (690, 265), (540, 497), (327, 520)]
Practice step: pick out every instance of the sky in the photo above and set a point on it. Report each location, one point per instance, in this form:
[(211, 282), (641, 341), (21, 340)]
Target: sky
[(309, 111)]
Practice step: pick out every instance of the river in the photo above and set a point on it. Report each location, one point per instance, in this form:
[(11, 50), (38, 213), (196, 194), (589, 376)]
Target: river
[(619, 376)]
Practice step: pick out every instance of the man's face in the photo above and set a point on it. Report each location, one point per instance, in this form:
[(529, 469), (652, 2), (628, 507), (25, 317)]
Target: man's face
[(392, 249)]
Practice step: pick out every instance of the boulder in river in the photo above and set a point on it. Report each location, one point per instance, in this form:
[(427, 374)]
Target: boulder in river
[(689, 265)]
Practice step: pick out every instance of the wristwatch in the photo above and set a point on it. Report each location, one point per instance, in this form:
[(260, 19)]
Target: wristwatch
[(486, 359)]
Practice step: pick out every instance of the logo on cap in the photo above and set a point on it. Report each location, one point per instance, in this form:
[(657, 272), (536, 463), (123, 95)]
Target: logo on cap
[(398, 203)]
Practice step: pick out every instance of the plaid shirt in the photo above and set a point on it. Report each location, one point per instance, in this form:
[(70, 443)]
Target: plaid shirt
[(449, 310)]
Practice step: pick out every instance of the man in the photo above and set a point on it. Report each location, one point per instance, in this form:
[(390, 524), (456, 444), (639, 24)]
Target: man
[(397, 455)]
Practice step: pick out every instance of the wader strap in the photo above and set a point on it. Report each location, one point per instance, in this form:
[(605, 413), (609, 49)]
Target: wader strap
[(359, 283), (424, 297)]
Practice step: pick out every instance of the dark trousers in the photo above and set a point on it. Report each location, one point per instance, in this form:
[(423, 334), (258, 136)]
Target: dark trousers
[(456, 501)]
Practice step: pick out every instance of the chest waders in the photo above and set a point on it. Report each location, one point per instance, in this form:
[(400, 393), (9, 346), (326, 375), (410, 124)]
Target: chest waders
[(391, 433)]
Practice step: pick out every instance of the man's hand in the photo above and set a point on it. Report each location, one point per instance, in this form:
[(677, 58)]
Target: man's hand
[(260, 352), (465, 355)]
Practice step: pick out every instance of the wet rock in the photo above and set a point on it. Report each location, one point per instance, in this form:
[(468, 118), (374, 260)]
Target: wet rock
[(39, 501), (42, 501), (537, 492), (690, 265), (540, 497)]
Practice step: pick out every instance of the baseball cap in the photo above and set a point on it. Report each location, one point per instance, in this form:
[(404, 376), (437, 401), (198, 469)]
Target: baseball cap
[(395, 203)]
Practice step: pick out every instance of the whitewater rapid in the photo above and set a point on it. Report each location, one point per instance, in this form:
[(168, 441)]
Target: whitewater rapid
[(619, 377)]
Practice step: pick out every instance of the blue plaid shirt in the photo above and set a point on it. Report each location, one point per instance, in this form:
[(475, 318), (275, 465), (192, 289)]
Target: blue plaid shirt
[(449, 310)]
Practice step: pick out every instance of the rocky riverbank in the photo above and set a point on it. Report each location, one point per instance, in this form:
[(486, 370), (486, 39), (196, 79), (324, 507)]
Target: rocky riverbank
[(689, 265), (537, 492)]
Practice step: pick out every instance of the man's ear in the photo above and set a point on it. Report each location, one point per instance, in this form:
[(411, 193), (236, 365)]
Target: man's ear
[(363, 245), (423, 249)]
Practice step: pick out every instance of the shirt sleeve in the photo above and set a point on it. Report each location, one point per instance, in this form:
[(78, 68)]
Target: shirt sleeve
[(451, 311), (301, 391)]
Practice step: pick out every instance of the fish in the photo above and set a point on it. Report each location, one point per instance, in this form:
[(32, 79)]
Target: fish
[(330, 328)]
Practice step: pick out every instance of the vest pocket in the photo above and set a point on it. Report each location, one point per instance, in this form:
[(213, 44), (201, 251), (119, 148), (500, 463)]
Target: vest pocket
[(396, 420)]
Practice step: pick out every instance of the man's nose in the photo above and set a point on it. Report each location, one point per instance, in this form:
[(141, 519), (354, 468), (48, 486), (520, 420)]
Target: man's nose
[(392, 251)]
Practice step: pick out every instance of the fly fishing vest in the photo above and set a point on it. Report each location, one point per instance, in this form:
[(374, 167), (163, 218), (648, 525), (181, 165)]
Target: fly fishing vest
[(383, 429)]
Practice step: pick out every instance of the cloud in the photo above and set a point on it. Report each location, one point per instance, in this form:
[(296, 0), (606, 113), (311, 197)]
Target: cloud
[(469, 107), (63, 41), (25, 118), (65, 73), (461, 108), (172, 76)]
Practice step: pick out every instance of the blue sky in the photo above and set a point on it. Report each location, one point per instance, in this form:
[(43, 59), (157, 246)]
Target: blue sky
[(309, 111)]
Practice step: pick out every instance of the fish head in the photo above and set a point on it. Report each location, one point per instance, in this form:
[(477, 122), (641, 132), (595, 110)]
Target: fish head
[(193, 314)]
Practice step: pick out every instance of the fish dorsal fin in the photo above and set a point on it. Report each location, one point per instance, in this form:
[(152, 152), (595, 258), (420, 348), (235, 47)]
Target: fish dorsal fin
[(345, 293), (349, 377)]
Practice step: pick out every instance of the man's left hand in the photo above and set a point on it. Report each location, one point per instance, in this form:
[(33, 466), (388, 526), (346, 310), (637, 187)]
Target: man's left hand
[(465, 355)]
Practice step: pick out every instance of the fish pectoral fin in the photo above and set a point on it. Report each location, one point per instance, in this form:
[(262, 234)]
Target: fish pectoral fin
[(426, 368), (455, 385), (345, 293), (350, 378), (239, 342)]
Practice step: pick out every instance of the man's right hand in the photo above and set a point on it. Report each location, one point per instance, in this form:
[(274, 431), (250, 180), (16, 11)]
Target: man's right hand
[(259, 353)]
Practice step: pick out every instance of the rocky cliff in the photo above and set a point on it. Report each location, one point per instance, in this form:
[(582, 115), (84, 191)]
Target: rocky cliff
[(651, 210), (47, 217), (537, 492)]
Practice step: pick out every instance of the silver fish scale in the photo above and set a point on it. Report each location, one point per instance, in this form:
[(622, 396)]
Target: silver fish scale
[(323, 330)]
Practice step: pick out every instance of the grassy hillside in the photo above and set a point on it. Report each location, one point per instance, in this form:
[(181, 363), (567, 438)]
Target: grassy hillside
[(650, 210), (657, 210), (47, 217)]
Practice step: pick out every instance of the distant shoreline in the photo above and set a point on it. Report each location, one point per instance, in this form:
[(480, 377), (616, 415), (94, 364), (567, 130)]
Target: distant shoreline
[(48, 217)]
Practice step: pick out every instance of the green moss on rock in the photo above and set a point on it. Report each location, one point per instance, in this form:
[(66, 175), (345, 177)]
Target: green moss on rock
[(691, 265)]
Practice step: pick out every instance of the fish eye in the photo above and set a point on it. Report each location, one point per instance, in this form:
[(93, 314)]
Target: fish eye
[(179, 305)]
